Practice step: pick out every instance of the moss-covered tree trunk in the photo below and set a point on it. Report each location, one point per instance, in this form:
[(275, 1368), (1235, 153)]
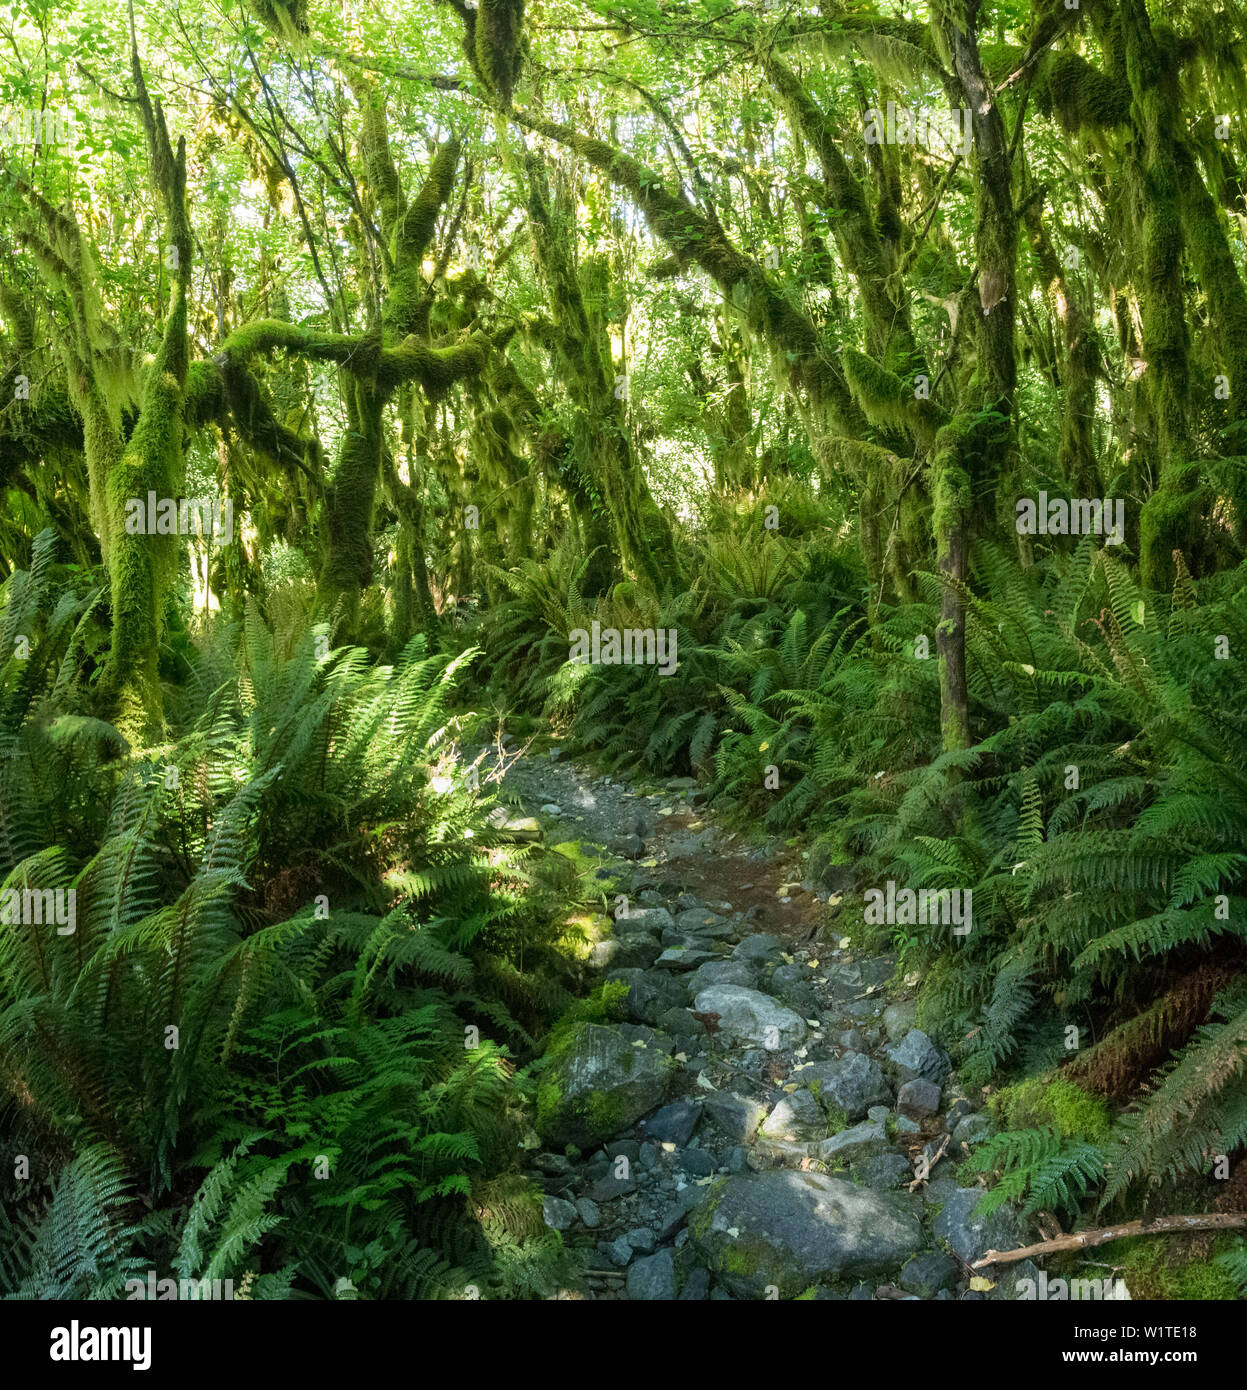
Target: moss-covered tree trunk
[(980, 444)]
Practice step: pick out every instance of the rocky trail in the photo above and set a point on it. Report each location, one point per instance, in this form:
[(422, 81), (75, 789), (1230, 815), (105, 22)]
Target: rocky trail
[(767, 1122)]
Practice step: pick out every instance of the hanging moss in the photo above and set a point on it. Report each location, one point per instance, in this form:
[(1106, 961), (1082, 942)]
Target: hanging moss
[(1080, 95), (285, 18), (887, 401)]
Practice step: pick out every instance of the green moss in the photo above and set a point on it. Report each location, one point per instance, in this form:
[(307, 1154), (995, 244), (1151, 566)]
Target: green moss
[(1168, 521), (549, 1102), (837, 1120), (604, 1113), (738, 1260), (1040, 1101), (1152, 1268), (702, 1217), (1080, 95)]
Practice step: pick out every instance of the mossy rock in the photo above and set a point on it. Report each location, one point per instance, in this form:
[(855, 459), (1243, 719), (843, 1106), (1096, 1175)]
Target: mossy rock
[(596, 1083), (791, 1229)]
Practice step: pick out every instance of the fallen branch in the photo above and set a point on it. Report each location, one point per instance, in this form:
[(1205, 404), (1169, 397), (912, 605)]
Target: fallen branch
[(1085, 1240), (935, 1158)]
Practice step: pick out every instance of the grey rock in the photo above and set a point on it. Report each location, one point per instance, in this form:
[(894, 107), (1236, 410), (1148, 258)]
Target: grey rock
[(844, 980), (853, 1145), (929, 1272), (650, 992), (888, 1169), (854, 1083), (747, 1015), (623, 1148), (877, 971), (798, 1118), (691, 1196), (635, 951), (697, 1162), (852, 1040), (723, 972), (679, 1023), (794, 1229), (642, 1239), (899, 1018), (738, 1160), (602, 1084), (957, 1107), (674, 1123), (610, 1188), (878, 1113), (683, 958), (760, 946), (652, 1279), (917, 1098), (618, 1251), (642, 1033), (972, 1129), (651, 921), (833, 877), (791, 983), (917, 1056), (696, 1285), (734, 1116), (968, 1235), (700, 921), (558, 1214), (589, 1212), (1007, 1279)]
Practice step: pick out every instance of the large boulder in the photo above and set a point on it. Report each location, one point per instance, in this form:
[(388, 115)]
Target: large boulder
[(748, 1015), (793, 1229), (596, 1083)]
